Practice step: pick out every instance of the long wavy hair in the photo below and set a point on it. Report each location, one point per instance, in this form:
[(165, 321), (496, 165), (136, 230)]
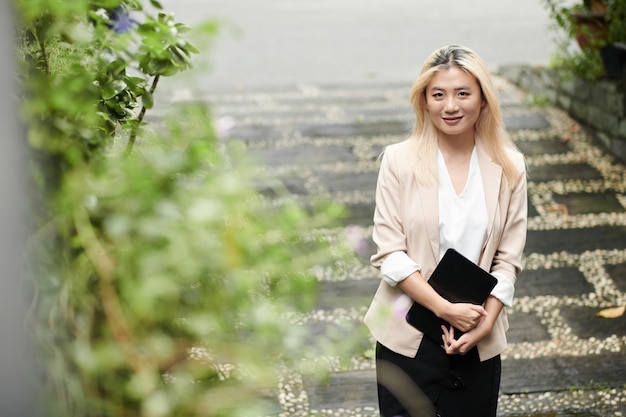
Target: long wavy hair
[(489, 127)]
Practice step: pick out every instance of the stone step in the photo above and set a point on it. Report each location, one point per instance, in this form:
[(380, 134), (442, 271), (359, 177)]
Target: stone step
[(563, 360)]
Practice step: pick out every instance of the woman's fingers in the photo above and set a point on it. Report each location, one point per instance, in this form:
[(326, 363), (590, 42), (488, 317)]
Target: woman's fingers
[(448, 338), (454, 346), (465, 316)]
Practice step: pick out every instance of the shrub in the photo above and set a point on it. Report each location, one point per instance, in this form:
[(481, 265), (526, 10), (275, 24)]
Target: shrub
[(165, 283)]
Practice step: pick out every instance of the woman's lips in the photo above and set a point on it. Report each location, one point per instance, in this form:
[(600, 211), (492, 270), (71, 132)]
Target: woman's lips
[(452, 120)]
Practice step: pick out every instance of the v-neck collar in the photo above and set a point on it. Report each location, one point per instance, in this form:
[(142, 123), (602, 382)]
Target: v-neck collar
[(444, 174)]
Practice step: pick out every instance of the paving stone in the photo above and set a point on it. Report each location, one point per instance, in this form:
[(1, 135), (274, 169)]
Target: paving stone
[(270, 406), (256, 132), (527, 120), (584, 203), (306, 155), (618, 274), (532, 211), (294, 185), (563, 373), (383, 87), (563, 172), (328, 110), (576, 240), (361, 214), (343, 390), (586, 324), (351, 293), (558, 414), (348, 182), (375, 150), (404, 113), (356, 129), (324, 335), (539, 147), (526, 327), (557, 282)]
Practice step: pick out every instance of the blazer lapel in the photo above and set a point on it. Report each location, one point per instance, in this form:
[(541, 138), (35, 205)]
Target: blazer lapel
[(429, 199), (491, 174)]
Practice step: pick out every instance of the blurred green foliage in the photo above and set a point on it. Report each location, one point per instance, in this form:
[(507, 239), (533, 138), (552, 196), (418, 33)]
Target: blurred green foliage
[(165, 283), (574, 63), (582, 29)]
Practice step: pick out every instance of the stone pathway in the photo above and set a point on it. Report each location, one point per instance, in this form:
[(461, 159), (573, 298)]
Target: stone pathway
[(563, 360)]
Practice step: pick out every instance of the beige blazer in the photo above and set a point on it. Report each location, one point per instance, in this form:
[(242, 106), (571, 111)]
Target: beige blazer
[(406, 219)]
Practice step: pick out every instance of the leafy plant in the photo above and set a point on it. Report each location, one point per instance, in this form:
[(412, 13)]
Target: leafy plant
[(176, 294), (89, 48), (165, 283), (580, 59), (573, 63), (594, 25), (617, 21)]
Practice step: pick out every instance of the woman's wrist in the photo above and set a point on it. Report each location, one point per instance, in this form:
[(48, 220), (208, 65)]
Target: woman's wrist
[(442, 309), (489, 321)]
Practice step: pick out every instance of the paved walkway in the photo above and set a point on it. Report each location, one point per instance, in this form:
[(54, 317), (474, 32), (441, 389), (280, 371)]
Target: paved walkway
[(563, 359)]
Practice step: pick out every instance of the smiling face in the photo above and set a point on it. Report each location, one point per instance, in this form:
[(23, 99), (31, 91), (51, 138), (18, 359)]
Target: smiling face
[(453, 101)]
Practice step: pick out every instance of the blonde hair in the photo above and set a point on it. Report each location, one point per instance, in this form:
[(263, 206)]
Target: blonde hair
[(489, 127)]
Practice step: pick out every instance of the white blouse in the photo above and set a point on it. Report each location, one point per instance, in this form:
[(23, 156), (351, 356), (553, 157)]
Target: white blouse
[(462, 226)]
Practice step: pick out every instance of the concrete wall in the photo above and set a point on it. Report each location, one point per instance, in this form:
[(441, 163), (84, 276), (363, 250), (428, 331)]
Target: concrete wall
[(19, 396), (600, 105)]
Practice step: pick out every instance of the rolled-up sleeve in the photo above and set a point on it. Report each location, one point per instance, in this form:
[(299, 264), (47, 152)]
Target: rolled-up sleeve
[(397, 267), (507, 262), (504, 289), (388, 232)]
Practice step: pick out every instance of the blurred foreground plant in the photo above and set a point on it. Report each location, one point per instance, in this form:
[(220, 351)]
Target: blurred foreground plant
[(165, 283), (176, 294)]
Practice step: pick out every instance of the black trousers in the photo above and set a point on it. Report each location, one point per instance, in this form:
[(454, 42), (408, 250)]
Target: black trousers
[(436, 384)]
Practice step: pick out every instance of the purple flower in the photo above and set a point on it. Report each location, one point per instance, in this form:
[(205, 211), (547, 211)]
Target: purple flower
[(121, 21), (401, 305), (356, 238), (223, 126)]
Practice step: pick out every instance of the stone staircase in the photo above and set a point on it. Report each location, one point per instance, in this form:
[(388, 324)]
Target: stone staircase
[(563, 360)]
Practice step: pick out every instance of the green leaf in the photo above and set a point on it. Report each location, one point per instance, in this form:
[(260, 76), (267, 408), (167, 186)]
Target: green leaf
[(156, 4), (118, 86), (134, 4), (210, 28), (148, 100), (108, 92), (117, 67), (178, 59), (189, 49), (182, 28)]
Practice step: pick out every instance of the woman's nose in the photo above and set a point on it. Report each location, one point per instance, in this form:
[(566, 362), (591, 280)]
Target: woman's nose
[(450, 105)]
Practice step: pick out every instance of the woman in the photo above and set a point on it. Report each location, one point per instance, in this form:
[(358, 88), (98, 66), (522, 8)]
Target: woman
[(457, 182)]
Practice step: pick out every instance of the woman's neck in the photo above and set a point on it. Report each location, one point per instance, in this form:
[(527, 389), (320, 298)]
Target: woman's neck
[(456, 148)]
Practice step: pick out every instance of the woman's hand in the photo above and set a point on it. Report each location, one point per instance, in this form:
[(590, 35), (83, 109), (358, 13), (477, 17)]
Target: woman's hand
[(463, 316), (467, 341), (463, 344)]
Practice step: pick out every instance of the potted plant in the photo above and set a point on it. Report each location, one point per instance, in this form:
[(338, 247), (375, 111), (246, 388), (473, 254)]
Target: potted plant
[(590, 23), (613, 48), (586, 22), (599, 28)]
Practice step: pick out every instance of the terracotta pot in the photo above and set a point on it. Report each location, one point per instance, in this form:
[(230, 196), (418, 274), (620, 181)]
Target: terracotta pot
[(591, 28), (598, 6)]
